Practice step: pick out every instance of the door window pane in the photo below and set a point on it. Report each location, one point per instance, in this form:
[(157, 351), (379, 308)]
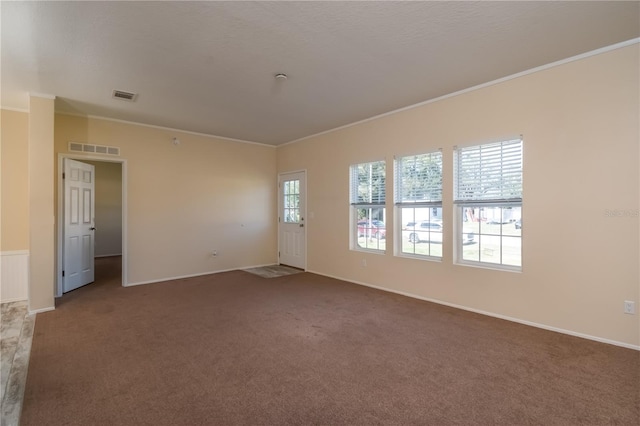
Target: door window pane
[(291, 199)]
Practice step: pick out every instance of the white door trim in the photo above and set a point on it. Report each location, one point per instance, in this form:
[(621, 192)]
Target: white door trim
[(303, 212), (60, 213)]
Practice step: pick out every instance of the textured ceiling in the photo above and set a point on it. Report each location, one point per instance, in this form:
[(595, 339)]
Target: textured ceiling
[(209, 67)]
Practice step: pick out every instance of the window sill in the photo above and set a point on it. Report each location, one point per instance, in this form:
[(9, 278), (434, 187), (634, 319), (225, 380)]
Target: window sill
[(490, 266), (366, 250), (419, 257)]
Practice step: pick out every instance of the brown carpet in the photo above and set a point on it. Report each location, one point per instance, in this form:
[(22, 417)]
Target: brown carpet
[(234, 348)]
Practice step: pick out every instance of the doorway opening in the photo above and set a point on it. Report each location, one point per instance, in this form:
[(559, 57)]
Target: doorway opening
[(109, 218)]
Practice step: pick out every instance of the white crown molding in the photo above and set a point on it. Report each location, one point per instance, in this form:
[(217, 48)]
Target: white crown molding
[(171, 129), (478, 87)]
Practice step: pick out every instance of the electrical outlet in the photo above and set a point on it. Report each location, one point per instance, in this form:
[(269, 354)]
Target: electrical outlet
[(363, 262), (629, 307)]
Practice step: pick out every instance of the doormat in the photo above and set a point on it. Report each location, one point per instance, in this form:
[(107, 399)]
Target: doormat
[(273, 271)]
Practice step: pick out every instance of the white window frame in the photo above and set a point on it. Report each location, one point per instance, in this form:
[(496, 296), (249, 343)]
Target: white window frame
[(488, 176), (420, 198), (374, 239)]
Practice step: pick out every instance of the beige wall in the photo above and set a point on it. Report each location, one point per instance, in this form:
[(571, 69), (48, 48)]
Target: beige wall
[(187, 200), (14, 127), (41, 204), (580, 123), (108, 208)]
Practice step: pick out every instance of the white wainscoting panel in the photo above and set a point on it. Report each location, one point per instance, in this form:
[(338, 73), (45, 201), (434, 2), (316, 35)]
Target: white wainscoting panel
[(14, 276)]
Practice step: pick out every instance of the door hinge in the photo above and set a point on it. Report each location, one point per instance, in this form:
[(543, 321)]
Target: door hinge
[(63, 273), (278, 254), (63, 175)]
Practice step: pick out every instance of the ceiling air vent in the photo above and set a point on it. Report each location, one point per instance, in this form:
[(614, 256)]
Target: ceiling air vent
[(125, 96), (97, 149)]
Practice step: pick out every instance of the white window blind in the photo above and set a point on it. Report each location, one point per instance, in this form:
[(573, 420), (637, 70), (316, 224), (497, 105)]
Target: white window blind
[(489, 173), (419, 179), (368, 183)]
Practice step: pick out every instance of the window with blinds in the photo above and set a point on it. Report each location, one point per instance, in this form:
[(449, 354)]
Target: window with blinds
[(368, 198), (488, 198), (418, 201), (368, 183), (489, 173), (419, 179)]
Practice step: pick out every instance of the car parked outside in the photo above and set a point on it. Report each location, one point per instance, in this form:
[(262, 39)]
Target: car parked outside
[(427, 231), (372, 228)]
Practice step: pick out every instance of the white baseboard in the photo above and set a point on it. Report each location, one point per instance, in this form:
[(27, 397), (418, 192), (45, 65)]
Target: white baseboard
[(180, 277), (490, 314), (41, 310), (14, 275)]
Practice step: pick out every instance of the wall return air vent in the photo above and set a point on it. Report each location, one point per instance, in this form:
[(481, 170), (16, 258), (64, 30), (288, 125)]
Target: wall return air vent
[(125, 96), (93, 149)]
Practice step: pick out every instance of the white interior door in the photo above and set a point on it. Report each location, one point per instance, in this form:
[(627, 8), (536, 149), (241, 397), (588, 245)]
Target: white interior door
[(79, 226), (291, 220)]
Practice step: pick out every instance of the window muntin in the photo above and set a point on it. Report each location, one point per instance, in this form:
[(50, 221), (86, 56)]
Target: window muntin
[(492, 235), (368, 197), (421, 237), (488, 198), (418, 180), (291, 200)]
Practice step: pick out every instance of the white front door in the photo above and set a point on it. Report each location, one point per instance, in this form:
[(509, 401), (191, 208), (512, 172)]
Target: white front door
[(291, 220), (79, 226)]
